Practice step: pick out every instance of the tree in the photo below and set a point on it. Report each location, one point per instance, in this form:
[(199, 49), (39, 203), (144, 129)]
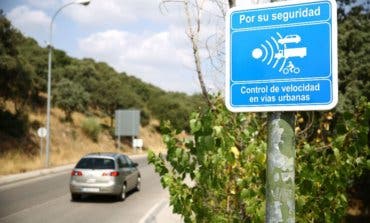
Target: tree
[(112, 94), (70, 97), (15, 71), (193, 33), (354, 57), (37, 58), (173, 107)]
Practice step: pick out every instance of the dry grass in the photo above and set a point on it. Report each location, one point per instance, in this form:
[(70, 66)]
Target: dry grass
[(68, 144), (152, 139), (18, 162)]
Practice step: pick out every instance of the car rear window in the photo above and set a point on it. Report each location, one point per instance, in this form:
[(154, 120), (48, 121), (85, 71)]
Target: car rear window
[(95, 163)]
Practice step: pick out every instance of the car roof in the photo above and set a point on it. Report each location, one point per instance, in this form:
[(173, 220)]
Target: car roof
[(102, 155)]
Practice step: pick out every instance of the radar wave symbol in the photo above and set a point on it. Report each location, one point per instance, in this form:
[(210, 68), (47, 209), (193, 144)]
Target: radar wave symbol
[(268, 50)]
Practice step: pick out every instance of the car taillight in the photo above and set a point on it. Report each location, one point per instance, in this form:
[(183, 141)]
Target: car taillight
[(76, 173), (112, 174)]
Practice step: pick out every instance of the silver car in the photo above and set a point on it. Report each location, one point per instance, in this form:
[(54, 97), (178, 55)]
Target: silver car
[(105, 174)]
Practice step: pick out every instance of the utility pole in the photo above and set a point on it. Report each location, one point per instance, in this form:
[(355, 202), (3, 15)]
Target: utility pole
[(280, 203), (280, 175)]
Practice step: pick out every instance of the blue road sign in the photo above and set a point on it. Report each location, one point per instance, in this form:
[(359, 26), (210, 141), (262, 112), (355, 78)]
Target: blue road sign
[(282, 57)]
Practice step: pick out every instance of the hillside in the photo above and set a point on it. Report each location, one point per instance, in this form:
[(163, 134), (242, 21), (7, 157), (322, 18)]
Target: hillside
[(80, 88), (68, 143)]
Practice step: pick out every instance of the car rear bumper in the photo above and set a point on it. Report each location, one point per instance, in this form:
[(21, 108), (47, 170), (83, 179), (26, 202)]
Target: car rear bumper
[(83, 188)]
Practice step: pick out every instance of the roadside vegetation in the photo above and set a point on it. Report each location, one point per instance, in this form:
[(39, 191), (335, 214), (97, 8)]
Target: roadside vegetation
[(219, 175)]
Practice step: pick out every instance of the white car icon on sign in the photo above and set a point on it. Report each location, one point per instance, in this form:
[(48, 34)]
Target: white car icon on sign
[(290, 39)]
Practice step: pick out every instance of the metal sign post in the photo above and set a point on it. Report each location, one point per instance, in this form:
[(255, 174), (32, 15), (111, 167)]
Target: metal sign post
[(42, 132), (280, 203)]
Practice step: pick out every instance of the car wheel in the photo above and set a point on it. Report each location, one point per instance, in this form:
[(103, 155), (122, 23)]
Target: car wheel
[(76, 197), (122, 195), (138, 184)]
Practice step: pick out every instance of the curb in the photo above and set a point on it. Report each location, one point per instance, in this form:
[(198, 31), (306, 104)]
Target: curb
[(8, 179), (32, 174), (150, 216)]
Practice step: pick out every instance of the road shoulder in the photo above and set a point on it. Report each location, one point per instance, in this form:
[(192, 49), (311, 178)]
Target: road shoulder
[(161, 213)]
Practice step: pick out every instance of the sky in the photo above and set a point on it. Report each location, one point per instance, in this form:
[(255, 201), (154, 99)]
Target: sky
[(140, 37)]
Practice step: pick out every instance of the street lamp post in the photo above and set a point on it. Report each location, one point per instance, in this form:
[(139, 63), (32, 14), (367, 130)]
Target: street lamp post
[(47, 149)]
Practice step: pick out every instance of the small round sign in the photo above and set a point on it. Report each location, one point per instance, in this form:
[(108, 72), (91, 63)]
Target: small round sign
[(42, 132)]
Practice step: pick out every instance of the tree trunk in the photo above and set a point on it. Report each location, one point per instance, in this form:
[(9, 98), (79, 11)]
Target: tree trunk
[(231, 3), (194, 37)]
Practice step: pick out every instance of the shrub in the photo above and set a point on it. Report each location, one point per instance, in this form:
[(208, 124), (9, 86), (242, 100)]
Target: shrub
[(92, 128), (14, 125), (226, 163)]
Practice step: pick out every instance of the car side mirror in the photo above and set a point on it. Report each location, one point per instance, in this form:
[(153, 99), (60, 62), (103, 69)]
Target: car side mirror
[(135, 164)]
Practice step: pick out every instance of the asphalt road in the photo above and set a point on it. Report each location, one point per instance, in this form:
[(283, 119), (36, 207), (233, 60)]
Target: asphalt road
[(47, 199)]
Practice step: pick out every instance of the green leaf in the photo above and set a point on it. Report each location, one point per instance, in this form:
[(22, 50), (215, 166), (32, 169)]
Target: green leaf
[(195, 125), (336, 153), (217, 131), (368, 164), (339, 140), (235, 151), (261, 158), (151, 156)]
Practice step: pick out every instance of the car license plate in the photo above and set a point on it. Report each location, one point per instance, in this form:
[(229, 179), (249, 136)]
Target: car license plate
[(90, 189), (91, 181)]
